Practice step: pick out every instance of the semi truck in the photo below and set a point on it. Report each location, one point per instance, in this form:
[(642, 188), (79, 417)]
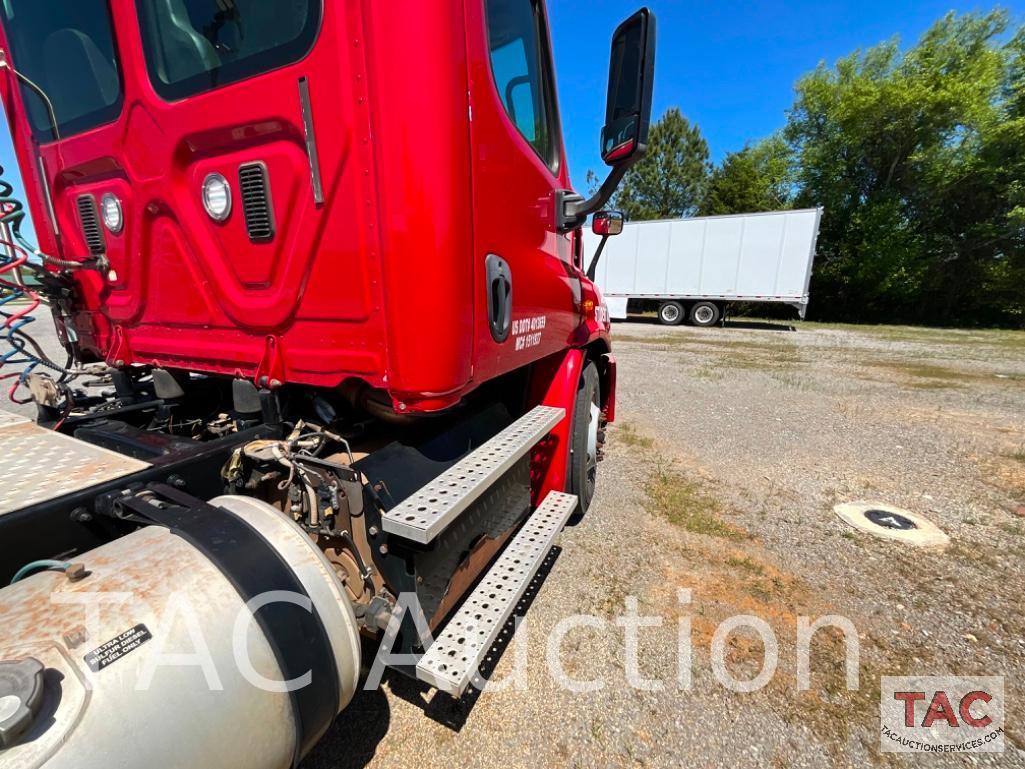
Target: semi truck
[(695, 269), (333, 376)]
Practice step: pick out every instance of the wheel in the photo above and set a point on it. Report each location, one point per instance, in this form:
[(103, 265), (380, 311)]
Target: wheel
[(671, 313), (586, 439), (705, 314)]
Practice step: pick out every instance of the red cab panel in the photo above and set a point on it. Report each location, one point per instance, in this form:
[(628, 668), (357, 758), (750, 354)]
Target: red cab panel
[(382, 174)]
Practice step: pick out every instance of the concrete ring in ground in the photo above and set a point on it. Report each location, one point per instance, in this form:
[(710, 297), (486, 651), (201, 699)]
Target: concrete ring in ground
[(892, 523)]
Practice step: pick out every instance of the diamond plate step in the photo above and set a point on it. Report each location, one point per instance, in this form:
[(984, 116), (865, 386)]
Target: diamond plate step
[(427, 513), (453, 660), (37, 465)]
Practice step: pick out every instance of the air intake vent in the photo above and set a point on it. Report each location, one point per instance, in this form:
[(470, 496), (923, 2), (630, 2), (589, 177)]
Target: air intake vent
[(252, 179), (90, 219)]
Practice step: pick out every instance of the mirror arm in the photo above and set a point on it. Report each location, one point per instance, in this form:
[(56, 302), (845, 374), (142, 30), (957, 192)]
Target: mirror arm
[(574, 209), (593, 269)]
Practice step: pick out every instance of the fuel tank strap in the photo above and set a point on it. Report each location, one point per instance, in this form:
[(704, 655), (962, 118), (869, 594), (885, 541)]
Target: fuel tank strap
[(295, 633)]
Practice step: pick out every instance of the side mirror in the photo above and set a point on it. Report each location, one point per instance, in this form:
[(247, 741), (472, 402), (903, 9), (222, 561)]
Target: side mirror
[(624, 139), (631, 82), (608, 223)]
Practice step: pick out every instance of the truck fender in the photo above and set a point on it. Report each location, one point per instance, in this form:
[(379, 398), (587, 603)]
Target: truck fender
[(607, 372), (553, 382)]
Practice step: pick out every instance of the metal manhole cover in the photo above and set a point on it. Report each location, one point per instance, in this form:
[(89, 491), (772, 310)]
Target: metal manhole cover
[(888, 522)]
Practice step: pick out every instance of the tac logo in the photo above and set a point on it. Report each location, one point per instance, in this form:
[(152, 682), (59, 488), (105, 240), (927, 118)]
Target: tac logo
[(942, 714)]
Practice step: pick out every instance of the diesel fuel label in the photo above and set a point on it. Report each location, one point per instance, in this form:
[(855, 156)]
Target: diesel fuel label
[(116, 648)]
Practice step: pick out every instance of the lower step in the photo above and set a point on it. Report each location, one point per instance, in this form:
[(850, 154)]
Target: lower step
[(428, 512), (453, 660)]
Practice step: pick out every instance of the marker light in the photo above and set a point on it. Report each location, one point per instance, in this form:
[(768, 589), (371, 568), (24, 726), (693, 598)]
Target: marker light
[(217, 197), (113, 216)]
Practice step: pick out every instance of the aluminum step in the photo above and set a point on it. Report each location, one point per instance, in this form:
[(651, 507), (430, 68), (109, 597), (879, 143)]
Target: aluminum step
[(427, 513), (455, 656), (37, 465)]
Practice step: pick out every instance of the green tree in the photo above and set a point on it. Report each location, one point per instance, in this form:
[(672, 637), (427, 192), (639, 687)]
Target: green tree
[(758, 178), (671, 181), (917, 158)]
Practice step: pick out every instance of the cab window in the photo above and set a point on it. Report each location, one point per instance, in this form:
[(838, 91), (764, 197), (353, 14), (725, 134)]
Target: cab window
[(193, 46), (68, 50), (518, 44)]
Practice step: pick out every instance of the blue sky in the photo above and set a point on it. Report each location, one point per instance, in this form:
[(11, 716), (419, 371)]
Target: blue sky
[(730, 66)]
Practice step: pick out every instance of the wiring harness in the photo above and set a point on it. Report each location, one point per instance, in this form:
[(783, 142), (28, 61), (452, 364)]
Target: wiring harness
[(21, 261)]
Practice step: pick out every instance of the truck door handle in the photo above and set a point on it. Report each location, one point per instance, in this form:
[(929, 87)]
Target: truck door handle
[(499, 287)]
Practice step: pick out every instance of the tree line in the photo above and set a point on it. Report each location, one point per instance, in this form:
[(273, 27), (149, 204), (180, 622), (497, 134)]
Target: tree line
[(917, 157)]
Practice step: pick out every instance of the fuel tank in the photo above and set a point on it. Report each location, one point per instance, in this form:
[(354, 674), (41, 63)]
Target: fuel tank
[(162, 656)]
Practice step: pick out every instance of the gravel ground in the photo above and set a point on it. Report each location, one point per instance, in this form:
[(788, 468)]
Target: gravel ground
[(730, 450)]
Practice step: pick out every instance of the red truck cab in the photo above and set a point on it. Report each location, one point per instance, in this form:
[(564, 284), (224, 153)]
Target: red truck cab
[(310, 193)]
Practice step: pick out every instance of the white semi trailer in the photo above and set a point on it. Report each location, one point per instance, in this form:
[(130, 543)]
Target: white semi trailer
[(691, 269)]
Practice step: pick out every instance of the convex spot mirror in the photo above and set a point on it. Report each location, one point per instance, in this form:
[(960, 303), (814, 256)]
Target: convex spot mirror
[(631, 81), (608, 223)]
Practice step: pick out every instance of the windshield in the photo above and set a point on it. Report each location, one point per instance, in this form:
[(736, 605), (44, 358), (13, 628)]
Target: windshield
[(194, 46), (67, 48)]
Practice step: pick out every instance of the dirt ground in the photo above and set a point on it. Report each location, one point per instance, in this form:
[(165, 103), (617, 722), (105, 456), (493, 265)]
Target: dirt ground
[(731, 448)]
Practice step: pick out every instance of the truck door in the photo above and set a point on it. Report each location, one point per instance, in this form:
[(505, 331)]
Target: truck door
[(528, 285)]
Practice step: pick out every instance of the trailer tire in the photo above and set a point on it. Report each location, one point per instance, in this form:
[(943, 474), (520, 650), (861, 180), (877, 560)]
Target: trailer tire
[(671, 313), (586, 438), (705, 314)]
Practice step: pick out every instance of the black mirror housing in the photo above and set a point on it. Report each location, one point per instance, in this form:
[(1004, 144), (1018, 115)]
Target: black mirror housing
[(627, 117), (631, 85)]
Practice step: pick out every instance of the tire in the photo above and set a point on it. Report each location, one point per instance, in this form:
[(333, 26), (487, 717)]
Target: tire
[(585, 439), (705, 314), (671, 314)]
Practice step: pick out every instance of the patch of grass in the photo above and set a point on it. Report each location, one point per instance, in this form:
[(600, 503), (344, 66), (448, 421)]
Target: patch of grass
[(769, 359), (793, 381), (973, 553), (685, 504), (1015, 529), (709, 373), (721, 341), (628, 434), (920, 370), (933, 384), (662, 339), (931, 376), (746, 564), (925, 334)]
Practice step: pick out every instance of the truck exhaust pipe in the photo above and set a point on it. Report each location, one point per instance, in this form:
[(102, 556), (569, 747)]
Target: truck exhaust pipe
[(217, 636)]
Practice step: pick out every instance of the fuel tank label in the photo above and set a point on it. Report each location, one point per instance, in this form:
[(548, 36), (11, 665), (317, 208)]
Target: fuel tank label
[(116, 648)]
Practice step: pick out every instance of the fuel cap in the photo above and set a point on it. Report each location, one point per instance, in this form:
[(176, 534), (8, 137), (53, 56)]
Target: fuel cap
[(21, 696)]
